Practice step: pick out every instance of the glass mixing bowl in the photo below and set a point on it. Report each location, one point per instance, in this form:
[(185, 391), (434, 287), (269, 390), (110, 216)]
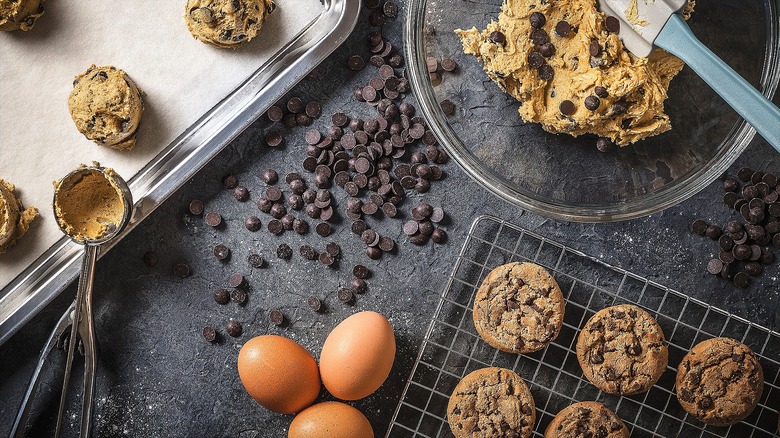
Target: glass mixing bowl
[(568, 178)]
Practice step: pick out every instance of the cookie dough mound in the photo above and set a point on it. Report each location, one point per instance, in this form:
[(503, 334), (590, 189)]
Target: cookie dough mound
[(519, 308), (720, 381), (106, 107), (14, 218), (227, 23), (19, 14), (622, 350), (491, 402), (570, 73), (586, 419)]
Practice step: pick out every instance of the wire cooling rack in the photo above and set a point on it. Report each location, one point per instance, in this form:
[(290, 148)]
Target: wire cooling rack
[(452, 348)]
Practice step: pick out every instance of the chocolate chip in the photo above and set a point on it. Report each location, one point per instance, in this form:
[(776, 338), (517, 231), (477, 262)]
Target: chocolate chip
[(612, 24), (181, 270), (284, 252), (498, 37), (741, 280), (386, 243), (439, 236), (278, 211), (273, 139), (537, 20), (535, 60), (209, 334), (592, 103), (546, 72), (196, 207), (308, 252), (539, 37), (754, 268), (448, 65), (596, 357), (594, 48), (563, 28), (356, 63), (222, 296), (229, 181), (323, 229), (447, 107), (601, 92), (360, 271), (699, 227), (238, 296), (213, 219), (604, 144), (255, 260), (767, 256), (151, 259), (567, 107), (313, 109), (713, 232), (619, 108), (276, 317), (275, 226), (275, 114), (314, 303), (715, 267), (547, 50), (221, 252), (234, 329), (264, 204), (252, 223), (345, 295)]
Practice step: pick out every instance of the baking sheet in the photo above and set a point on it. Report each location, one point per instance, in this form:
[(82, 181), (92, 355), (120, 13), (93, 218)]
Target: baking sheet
[(182, 78)]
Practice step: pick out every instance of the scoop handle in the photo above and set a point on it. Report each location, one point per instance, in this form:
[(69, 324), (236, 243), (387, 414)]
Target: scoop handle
[(677, 39)]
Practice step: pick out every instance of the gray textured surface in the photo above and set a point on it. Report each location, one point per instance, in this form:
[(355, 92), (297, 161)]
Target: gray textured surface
[(157, 377)]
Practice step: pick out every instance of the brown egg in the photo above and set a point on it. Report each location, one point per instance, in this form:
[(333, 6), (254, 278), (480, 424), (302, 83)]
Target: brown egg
[(278, 373), (330, 420), (357, 356)]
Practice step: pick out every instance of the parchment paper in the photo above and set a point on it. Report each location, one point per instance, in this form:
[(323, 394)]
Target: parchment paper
[(181, 76)]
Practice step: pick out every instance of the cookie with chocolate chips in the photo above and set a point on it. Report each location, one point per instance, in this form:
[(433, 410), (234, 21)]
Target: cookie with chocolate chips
[(586, 419), (519, 308), (227, 23), (622, 350), (491, 402), (720, 381)]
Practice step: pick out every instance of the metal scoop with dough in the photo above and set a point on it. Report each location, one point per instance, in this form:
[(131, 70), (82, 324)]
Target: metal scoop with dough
[(646, 24), (92, 205)]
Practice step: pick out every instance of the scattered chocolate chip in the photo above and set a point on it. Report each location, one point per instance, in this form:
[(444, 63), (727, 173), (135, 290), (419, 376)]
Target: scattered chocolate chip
[(213, 219), (345, 295), (273, 139), (713, 232), (238, 296), (234, 329), (448, 65), (715, 267), (323, 229), (360, 271), (741, 280), (447, 107), (229, 181), (275, 227), (222, 296), (221, 252), (604, 144), (308, 252), (276, 317), (181, 270), (314, 303), (439, 236), (284, 252), (209, 334), (255, 260), (356, 63), (196, 207), (275, 114)]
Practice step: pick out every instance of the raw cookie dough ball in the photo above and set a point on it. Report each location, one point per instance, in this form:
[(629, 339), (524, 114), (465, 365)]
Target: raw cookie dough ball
[(106, 107), (19, 14), (720, 381), (226, 23), (14, 218)]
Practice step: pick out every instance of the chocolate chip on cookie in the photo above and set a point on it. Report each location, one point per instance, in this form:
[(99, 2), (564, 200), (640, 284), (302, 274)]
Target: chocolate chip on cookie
[(491, 402), (622, 350), (519, 308), (720, 381), (586, 419)]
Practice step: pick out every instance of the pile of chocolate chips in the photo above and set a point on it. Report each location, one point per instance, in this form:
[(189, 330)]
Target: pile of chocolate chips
[(743, 245)]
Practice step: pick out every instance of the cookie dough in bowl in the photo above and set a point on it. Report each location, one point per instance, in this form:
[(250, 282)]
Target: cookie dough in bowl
[(564, 62), (106, 107), (14, 218), (19, 14), (227, 23)]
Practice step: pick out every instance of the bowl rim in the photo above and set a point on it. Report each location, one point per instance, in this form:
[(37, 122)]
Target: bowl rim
[(736, 140)]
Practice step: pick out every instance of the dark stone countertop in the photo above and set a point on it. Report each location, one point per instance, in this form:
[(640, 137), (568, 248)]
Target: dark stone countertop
[(159, 378)]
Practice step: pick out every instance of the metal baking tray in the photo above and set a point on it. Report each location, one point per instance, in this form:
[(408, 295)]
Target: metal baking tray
[(452, 348), (44, 279)]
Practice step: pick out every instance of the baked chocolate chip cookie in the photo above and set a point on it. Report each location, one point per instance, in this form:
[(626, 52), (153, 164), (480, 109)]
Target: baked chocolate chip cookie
[(586, 419), (226, 23), (106, 107), (720, 381), (622, 350), (19, 14), (519, 308), (491, 402)]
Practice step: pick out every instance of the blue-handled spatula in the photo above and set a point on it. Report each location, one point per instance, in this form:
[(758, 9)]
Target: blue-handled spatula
[(646, 24)]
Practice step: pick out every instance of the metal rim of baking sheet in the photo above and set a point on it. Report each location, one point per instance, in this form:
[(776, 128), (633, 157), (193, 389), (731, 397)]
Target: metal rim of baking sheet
[(45, 278), (492, 241), (740, 136)]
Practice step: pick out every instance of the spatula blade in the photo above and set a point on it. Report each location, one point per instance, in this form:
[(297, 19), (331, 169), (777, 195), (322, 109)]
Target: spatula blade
[(640, 20)]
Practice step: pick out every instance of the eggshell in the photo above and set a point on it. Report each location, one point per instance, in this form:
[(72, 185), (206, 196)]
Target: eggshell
[(357, 356), (330, 420), (278, 373)]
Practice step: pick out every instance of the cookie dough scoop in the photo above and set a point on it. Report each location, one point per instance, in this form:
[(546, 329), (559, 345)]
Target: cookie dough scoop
[(226, 23), (645, 25), (19, 14), (92, 205)]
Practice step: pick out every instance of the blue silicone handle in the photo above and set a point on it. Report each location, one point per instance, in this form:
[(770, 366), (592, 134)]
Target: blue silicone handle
[(677, 39)]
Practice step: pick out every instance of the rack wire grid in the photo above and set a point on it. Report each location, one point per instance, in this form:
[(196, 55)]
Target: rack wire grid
[(452, 348)]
